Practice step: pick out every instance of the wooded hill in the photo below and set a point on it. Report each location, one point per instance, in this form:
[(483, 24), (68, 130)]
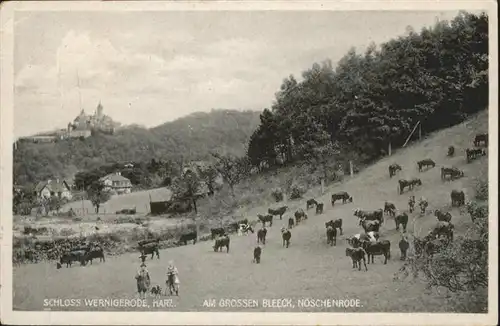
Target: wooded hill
[(191, 138), (437, 76)]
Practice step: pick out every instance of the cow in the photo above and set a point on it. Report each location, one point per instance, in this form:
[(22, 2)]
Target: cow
[(481, 138), (256, 254), (370, 236), (408, 183), (280, 211), (286, 235), (357, 255), (444, 217), (401, 219), (472, 154), (403, 247), (244, 228), (184, 238), (300, 215), (266, 218), (411, 204), (354, 240), (319, 208), (425, 163), (291, 222), (457, 198), (393, 168), (377, 214), (215, 232), (442, 229), (389, 208), (73, 256), (336, 224), (221, 243), (310, 203), (451, 151), (369, 226), (453, 172), (261, 235), (422, 203), (331, 235), (94, 253), (243, 221), (342, 195), (150, 248), (378, 248), (357, 239)]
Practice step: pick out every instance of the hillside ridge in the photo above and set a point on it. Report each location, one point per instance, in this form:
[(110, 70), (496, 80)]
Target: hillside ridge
[(191, 137)]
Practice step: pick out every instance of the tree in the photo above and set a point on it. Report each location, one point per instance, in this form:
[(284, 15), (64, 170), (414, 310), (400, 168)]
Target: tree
[(232, 169), (55, 203), (22, 201), (187, 187), (209, 176), (322, 155), (261, 149), (85, 178), (373, 99), (97, 194)]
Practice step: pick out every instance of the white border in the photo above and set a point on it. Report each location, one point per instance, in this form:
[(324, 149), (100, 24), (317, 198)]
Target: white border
[(216, 318)]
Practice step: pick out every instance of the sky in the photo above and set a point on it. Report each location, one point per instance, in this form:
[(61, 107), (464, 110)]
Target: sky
[(149, 68)]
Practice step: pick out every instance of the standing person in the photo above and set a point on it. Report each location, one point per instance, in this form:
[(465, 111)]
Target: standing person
[(143, 280), (172, 278), (403, 246)]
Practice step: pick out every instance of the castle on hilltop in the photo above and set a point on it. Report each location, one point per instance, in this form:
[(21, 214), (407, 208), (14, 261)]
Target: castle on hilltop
[(83, 124), (81, 127)]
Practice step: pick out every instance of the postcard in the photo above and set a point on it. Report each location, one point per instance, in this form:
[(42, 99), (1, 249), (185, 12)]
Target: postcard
[(249, 162)]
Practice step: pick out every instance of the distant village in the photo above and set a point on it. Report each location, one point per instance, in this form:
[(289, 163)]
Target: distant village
[(82, 127)]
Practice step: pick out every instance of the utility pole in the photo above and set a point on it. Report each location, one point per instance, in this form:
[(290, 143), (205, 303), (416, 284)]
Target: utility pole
[(83, 206)]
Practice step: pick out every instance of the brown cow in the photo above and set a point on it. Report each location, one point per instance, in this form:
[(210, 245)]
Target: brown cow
[(357, 255)]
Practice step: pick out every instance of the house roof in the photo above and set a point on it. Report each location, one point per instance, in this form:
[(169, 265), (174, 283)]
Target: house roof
[(52, 185), (115, 177)]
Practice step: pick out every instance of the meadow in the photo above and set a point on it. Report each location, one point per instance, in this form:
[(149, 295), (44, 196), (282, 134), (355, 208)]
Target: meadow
[(309, 268)]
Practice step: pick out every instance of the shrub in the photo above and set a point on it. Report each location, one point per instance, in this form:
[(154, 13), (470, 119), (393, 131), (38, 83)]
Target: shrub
[(277, 194), (482, 190), (66, 232), (461, 266)]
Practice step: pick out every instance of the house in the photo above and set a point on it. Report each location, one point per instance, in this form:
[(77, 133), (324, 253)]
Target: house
[(50, 188), (117, 183)]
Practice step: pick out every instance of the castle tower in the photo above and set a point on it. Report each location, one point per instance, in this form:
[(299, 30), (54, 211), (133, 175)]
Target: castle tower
[(99, 111)]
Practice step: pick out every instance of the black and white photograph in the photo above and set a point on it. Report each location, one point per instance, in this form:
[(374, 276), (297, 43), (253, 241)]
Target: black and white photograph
[(308, 163)]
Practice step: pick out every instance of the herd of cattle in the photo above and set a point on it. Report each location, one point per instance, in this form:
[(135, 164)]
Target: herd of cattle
[(366, 244)]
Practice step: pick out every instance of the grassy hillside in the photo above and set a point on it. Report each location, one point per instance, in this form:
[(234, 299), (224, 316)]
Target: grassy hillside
[(192, 137), (309, 268)]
